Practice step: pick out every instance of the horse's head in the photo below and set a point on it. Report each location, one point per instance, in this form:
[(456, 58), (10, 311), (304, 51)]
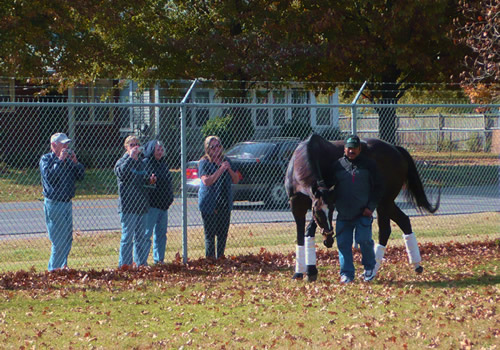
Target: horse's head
[(323, 207)]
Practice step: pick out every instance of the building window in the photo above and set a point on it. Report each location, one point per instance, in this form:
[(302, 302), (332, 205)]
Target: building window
[(278, 114), (323, 117), (301, 97)]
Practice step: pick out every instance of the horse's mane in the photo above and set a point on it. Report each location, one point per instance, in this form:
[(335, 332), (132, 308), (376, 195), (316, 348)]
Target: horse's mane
[(317, 150)]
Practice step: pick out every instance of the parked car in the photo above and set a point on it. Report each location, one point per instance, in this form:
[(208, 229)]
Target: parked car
[(262, 165)]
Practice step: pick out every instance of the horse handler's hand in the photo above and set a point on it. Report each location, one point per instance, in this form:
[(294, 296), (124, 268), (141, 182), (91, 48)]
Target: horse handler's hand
[(367, 212)]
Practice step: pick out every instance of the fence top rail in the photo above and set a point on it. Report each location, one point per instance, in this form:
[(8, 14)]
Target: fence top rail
[(245, 105)]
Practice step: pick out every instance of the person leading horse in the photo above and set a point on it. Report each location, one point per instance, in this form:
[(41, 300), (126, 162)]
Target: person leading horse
[(309, 180)]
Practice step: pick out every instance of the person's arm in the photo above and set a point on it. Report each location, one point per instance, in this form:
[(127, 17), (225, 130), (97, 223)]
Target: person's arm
[(51, 168), (209, 180), (235, 177), (77, 167), (123, 167)]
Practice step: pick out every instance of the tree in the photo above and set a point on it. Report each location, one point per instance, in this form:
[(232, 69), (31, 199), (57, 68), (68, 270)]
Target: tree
[(389, 43), (394, 43), (478, 28)]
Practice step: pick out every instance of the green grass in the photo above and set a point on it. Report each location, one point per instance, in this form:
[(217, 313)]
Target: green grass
[(442, 169), (460, 175), (25, 185), (100, 249), (253, 304)]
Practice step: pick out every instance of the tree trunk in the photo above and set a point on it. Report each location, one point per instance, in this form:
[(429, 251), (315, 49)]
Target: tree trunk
[(388, 124)]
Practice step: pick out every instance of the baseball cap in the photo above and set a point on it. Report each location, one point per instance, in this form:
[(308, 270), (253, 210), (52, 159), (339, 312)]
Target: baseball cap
[(60, 137), (352, 141)]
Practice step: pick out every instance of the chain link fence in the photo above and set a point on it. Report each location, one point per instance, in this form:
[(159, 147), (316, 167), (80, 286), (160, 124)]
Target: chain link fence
[(456, 148)]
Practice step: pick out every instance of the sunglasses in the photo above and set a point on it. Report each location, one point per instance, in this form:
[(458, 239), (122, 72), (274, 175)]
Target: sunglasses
[(218, 145), (134, 144)]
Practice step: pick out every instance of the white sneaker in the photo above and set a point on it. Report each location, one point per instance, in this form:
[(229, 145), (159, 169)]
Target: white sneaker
[(369, 275)]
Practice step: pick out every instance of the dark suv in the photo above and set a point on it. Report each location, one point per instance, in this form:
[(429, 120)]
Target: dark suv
[(262, 165)]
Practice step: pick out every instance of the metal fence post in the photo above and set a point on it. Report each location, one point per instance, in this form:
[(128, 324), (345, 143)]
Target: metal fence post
[(354, 126), (183, 172)]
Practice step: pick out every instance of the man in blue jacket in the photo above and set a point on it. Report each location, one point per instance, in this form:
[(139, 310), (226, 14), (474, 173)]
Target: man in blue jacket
[(358, 190), (60, 170)]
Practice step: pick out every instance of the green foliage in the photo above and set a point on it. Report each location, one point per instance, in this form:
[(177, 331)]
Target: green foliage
[(296, 127), (245, 41), (474, 143), (447, 145), (231, 129), (219, 126), (103, 159)]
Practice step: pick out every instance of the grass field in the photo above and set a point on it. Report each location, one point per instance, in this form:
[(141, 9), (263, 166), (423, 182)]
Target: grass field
[(250, 302), (436, 169), (93, 250)]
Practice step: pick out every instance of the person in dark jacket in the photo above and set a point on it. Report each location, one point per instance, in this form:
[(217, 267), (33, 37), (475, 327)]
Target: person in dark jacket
[(358, 190), (133, 203), (59, 170), (215, 196), (160, 199)]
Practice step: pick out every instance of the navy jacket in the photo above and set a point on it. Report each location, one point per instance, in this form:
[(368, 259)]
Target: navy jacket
[(59, 177), (132, 178), (217, 196), (160, 195), (358, 185)]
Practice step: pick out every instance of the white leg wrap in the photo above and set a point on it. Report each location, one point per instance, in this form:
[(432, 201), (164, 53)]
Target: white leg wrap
[(412, 249), (300, 259), (379, 256), (310, 251)]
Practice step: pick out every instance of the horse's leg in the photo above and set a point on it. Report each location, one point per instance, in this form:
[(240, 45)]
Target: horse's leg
[(384, 232), (412, 249), (299, 204), (312, 271), (300, 254)]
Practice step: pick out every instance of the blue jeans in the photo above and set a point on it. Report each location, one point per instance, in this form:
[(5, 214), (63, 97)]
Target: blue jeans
[(133, 237), (363, 231), (216, 224), (156, 226), (59, 221)]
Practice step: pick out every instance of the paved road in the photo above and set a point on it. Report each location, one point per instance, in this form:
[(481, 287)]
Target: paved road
[(91, 215)]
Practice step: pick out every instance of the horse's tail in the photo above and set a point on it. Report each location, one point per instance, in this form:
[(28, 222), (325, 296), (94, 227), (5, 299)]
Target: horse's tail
[(415, 187)]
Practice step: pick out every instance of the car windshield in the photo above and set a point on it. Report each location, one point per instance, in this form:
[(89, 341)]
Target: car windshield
[(254, 150)]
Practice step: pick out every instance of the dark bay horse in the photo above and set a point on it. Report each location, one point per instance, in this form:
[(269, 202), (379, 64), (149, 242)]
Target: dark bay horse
[(309, 183)]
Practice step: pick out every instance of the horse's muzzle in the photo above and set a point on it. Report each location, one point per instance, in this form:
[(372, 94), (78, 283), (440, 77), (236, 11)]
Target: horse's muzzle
[(328, 239)]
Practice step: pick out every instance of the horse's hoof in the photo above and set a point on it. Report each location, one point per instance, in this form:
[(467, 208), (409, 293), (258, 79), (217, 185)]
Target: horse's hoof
[(311, 277), (328, 242), (297, 276), (419, 269), (312, 273)]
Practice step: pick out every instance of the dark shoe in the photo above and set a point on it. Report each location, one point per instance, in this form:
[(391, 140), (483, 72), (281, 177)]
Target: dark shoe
[(297, 276)]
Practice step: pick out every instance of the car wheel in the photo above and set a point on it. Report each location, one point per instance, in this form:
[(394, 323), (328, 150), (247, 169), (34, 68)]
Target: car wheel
[(277, 196)]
